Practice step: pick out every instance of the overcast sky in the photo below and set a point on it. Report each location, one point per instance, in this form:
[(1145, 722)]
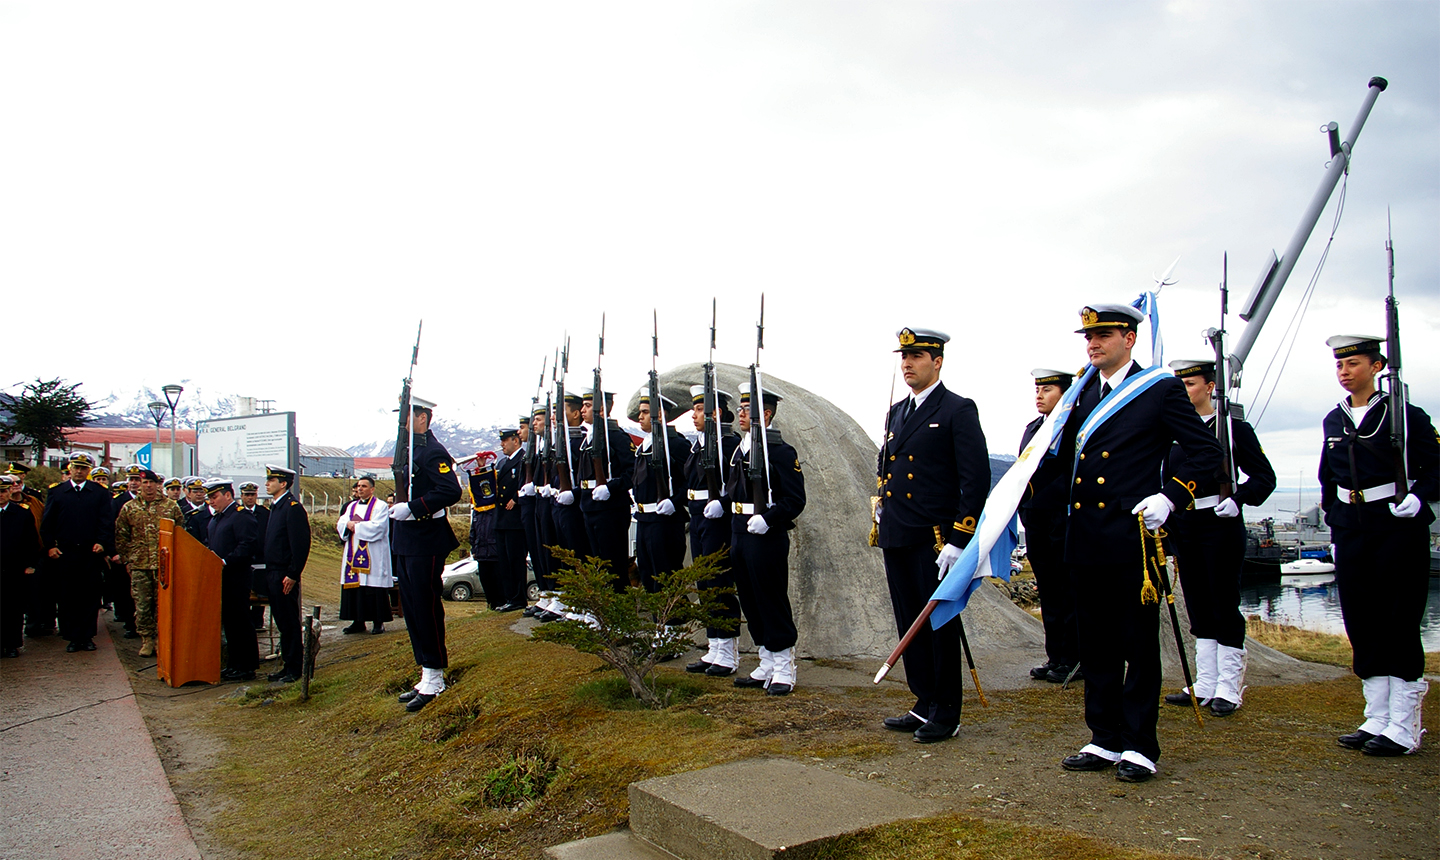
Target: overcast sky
[(278, 192)]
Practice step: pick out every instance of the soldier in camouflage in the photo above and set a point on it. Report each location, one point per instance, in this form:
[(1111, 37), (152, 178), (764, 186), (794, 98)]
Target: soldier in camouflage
[(137, 539)]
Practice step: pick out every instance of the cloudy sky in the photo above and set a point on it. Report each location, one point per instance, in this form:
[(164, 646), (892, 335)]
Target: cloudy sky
[(277, 192)]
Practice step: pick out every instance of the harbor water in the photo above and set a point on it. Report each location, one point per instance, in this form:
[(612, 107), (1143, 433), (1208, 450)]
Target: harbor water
[(1316, 606)]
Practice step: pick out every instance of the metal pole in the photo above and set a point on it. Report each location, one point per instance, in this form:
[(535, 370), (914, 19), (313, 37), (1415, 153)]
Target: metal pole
[(1268, 290)]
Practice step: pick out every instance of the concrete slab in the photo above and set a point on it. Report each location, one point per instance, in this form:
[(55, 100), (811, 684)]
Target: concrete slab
[(620, 845), (760, 808), (79, 776)]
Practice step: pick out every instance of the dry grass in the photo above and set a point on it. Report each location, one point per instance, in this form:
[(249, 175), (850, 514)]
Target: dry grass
[(962, 837), (1315, 647)]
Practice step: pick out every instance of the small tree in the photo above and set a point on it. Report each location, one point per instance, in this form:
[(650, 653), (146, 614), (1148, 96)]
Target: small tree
[(43, 410), (635, 629)]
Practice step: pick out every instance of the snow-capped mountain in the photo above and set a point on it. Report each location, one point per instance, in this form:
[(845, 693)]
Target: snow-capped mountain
[(114, 410), (457, 438)]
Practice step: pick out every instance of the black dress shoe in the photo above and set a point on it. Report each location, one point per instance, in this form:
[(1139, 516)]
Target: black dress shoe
[(747, 681), (1085, 761), (1182, 699), (408, 695), (1223, 707), (420, 701), (377, 628), (531, 611), (357, 627), (87, 645), (1129, 771), (12, 652), (282, 677), (72, 647), (1382, 746), (715, 670), (509, 607), (697, 667), (1039, 672), (778, 689), (236, 675), (1059, 674), (934, 732), (547, 616), (908, 722), (1355, 740)]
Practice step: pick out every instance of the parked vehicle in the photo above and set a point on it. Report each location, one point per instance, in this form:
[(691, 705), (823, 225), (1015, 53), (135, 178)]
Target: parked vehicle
[(461, 581)]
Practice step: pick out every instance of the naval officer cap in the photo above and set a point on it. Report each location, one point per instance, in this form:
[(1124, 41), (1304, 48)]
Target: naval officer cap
[(80, 458), (173, 482), (98, 472), (219, 485), (17, 469), (1046, 376), (771, 398), (133, 470), (193, 482), (1344, 345), (249, 487), (1184, 367), (697, 395), (509, 433), (1119, 316), (280, 472), (922, 339)]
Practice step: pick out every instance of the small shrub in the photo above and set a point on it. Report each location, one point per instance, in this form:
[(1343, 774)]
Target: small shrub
[(521, 779)]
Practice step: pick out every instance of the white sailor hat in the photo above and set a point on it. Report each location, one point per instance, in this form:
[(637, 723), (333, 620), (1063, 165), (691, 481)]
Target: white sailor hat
[(697, 395), (1120, 316), (1354, 344), (1184, 367), (417, 403), (1046, 376), (279, 472), (770, 396), (193, 482), (669, 404), (922, 339)]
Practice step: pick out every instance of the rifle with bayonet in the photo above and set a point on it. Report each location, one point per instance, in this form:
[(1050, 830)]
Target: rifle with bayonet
[(710, 454), (404, 439), (532, 438), (600, 420), (759, 471), (1396, 394), (1223, 408), (564, 477), (659, 426)]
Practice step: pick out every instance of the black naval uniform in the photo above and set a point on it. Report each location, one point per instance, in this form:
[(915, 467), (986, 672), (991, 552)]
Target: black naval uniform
[(287, 548), (117, 577), (1042, 511), (235, 537), (1381, 560), (482, 535), (421, 546), (531, 516), (1119, 466), (510, 530), (607, 523), (761, 563), (1209, 550), (197, 522), (569, 522), (546, 533), (660, 539), (710, 536), (75, 520), (258, 583), (19, 550), (934, 473)]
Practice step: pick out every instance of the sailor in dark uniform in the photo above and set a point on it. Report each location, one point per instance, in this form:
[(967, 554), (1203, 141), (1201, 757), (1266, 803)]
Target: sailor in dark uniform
[(1042, 511), (421, 541), (19, 559), (235, 539), (196, 511), (1115, 467), (250, 505), (39, 609), (707, 536), (933, 475), (78, 533), (606, 506), (567, 521), (660, 512), (534, 515), (175, 492), (287, 548), (1381, 536), (760, 542), (509, 528), (1208, 542)]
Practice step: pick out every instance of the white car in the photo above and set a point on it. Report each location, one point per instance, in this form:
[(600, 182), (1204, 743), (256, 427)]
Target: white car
[(461, 581)]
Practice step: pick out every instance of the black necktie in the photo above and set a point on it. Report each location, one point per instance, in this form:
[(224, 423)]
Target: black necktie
[(907, 411), (1104, 390)]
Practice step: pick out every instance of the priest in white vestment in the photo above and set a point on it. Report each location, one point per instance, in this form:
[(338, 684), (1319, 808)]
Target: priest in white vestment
[(365, 572)]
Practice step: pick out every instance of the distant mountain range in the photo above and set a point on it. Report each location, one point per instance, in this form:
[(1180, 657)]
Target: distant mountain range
[(194, 405), (459, 440)]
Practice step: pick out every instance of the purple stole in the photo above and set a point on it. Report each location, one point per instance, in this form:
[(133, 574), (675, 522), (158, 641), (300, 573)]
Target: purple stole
[(357, 552)]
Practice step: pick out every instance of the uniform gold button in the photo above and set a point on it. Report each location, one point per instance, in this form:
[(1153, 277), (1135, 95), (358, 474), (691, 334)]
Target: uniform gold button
[(1077, 480), (887, 494), (887, 476), (1099, 480), (912, 458), (1082, 456), (892, 457), (1104, 455), (907, 495), (910, 475), (1077, 506), (1102, 506)]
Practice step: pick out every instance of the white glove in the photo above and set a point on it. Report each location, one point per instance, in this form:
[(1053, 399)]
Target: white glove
[(566, 497), (665, 508), (757, 525), (527, 489), (1332, 553), (714, 510), (601, 493), (1408, 507), (401, 511), (548, 491), (878, 508), (947, 558), (1227, 509), (1156, 508)]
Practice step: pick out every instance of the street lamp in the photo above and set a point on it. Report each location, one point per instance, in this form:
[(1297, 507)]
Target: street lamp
[(157, 411), (172, 397)]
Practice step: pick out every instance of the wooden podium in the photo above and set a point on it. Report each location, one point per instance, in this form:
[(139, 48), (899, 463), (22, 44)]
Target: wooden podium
[(187, 616)]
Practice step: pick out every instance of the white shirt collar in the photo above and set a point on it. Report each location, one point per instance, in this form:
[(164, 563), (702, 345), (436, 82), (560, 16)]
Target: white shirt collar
[(920, 398), (1119, 376), (79, 486)]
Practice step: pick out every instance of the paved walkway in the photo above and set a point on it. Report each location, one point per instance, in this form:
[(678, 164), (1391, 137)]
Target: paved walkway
[(79, 777)]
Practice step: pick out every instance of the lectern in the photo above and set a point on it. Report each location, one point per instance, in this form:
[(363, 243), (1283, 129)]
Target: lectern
[(187, 616)]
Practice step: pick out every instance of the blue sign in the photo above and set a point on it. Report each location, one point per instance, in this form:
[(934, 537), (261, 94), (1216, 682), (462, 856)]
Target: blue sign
[(143, 456)]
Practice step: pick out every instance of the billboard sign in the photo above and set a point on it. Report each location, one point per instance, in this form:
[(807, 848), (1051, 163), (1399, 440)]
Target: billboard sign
[(238, 448), (144, 456)]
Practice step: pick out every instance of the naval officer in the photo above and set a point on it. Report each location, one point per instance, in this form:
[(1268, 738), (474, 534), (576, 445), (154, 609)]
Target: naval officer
[(933, 477), (1117, 437), (1381, 535)]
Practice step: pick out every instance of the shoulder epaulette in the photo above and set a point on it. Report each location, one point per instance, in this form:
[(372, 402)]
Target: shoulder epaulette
[(293, 502)]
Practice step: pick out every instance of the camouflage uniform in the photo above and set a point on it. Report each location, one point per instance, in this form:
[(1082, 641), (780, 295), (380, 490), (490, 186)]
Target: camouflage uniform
[(137, 539)]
